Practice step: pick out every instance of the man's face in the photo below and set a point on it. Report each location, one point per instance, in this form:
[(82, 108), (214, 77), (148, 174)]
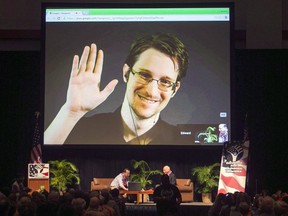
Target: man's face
[(127, 174), (166, 170), (222, 129), (148, 100)]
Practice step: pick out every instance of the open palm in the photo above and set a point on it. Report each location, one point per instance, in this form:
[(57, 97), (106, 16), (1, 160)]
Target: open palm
[(84, 92)]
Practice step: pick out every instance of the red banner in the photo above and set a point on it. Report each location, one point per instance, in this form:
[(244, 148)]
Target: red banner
[(233, 169)]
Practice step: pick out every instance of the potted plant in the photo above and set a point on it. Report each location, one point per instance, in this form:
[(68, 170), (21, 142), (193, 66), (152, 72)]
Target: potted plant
[(208, 135), (143, 173), (63, 173), (207, 178)]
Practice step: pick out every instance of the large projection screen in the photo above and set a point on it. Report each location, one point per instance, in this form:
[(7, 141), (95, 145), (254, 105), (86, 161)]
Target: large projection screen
[(201, 106)]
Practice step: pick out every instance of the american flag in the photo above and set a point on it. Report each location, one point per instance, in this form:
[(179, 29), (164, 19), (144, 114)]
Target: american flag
[(36, 151)]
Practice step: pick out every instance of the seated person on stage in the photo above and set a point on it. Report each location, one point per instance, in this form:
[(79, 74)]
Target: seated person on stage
[(121, 180), (172, 176)]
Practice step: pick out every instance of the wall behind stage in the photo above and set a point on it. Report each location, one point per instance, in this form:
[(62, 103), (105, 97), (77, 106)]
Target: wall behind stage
[(260, 90), (20, 98)]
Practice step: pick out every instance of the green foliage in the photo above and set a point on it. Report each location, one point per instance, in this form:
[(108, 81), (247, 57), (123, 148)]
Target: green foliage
[(209, 137), (143, 173), (207, 177), (63, 173)]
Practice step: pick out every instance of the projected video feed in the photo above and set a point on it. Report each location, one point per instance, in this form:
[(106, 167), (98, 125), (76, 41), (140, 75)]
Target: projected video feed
[(148, 76)]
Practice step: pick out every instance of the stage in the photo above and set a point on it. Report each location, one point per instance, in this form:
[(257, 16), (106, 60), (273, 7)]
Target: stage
[(186, 209)]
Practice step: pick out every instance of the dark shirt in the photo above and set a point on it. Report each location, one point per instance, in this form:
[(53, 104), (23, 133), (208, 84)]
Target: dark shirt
[(120, 200), (106, 128), (167, 199), (172, 178)]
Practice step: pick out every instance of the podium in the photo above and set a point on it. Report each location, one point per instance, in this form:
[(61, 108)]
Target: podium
[(38, 176)]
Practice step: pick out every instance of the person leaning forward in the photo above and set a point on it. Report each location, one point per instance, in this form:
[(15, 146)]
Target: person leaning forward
[(121, 180)]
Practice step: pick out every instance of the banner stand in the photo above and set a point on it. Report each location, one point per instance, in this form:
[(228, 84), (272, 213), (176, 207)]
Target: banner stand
[(233, 169)]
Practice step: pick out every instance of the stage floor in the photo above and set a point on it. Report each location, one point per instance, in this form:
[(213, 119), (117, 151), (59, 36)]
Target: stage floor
[(186, 209)]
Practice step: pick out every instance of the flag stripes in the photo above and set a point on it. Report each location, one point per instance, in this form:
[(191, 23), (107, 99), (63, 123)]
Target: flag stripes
[(36, 151)]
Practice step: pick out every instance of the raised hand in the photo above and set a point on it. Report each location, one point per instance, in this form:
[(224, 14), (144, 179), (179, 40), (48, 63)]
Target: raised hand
[(84, 92)]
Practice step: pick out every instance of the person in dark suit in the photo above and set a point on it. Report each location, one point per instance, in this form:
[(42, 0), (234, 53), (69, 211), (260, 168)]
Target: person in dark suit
[(167, 198), (172, 176)]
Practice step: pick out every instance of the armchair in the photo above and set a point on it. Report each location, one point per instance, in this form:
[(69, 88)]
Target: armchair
[(100, 183), (186, 189)]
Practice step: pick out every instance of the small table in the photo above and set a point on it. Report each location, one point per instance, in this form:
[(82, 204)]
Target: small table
[(139, 194)]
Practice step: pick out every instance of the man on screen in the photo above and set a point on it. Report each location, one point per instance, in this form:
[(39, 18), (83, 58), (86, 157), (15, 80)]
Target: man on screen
[(152, 72), (223, 133)]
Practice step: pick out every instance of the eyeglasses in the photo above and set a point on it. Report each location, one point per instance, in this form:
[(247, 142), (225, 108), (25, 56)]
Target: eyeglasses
[(145, 78)]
